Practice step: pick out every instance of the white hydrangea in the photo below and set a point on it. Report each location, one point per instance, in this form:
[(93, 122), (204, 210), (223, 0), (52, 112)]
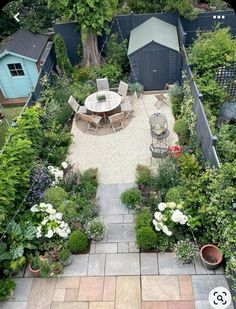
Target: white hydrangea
[(49, 234), (161, 206), (171, 205), (57, 173), (179, 217), (158, 216), (166, 231), (64, 165)]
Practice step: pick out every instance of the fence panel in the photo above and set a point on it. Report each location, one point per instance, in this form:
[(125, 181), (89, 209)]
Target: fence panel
[(203, 131)]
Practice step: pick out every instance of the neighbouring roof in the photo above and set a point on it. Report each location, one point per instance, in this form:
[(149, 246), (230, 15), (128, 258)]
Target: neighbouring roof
[(24, 43), (155, 30)]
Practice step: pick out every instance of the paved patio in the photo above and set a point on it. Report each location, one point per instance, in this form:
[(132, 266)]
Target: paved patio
[(117, 155)]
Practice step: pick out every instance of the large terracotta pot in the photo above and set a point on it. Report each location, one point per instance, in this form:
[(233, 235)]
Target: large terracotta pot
[(36, 273), (211, 256)]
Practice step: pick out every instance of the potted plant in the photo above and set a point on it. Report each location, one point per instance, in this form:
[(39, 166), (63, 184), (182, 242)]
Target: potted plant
[(35, 265), (101, 97), (185, 251), (65, 257), (45, 269), (6, 288), (56, 268), (211, 256), (95, 230), (78, 242), (136, 87)]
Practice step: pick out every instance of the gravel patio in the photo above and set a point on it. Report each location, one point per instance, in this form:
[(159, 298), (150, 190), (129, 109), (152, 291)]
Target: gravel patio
[(116, 155)]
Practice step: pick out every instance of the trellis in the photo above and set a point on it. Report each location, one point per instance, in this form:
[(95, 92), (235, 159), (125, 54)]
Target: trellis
[(226, 77)]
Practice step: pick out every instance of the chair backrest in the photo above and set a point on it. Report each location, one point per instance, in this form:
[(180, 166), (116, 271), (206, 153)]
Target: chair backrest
[(73, 104), (102, 84), (116, 117), (123, 89), (86, 118)]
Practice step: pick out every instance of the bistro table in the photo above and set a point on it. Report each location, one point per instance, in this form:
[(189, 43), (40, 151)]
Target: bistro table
[(112, 101)]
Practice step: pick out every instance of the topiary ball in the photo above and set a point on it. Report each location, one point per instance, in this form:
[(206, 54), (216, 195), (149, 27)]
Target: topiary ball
[(77, 242)]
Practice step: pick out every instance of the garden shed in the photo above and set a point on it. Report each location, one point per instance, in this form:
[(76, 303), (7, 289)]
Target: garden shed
[(154, 54)]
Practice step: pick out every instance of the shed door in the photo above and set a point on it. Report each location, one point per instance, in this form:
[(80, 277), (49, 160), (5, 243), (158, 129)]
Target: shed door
[(154, 68)]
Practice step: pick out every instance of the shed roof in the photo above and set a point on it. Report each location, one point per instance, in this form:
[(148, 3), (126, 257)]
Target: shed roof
[(155, 30), (24, 43)]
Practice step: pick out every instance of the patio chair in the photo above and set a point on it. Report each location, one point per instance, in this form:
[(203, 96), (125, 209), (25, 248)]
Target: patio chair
[(161, 99), (77, 108), (122, 90), (126, 107), (102, 84), (92, 120), (117, 119)]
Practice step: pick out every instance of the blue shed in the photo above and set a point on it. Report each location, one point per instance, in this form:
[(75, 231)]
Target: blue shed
[(21, 58)]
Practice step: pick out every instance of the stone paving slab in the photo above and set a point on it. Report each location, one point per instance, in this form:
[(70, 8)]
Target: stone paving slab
[(96, 266), (78, 267), (122, 264), (203, 284), (200, 269), (22, 290), (128, 293), (70, 305), (112, 218), (123, 247), (41, 293), (154, 305), (106, 248), (149, 264), (160, 288), (13, 305), (121, 233), (91, 289), (168, 265)]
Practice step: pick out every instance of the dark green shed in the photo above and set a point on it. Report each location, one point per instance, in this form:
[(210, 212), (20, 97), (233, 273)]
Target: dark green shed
[(154, 54)]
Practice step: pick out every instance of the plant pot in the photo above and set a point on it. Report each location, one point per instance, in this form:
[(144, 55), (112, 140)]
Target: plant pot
[(36, 273), (211, 256), (67, 262), (98, 238)]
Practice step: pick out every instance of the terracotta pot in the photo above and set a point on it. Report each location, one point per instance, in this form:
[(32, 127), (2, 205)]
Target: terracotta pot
[(211, 256), (36, 273)]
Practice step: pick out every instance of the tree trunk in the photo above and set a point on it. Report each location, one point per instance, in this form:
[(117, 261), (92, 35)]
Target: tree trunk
[(91, 56)]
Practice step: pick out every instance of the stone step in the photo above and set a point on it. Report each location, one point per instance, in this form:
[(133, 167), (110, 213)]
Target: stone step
[(113, 247)]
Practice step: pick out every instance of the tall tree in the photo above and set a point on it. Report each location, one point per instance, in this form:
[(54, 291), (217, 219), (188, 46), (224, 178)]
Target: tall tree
[(92, 17)]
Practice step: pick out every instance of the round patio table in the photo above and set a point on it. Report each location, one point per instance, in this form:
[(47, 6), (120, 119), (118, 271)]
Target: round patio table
[(112, 101)]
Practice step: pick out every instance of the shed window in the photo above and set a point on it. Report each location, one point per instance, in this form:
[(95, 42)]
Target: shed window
[(16, 69)]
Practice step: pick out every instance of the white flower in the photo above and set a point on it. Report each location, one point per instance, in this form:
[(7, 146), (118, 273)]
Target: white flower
[(45, 221), (176, 216), (171, 205), (183, 220), (64, 165), (157, 229), (49, 234), (161, 206), (154, 222), (51, 211), (34, 208), (50, 168), (158, 216), (58, 216), (169, 233)]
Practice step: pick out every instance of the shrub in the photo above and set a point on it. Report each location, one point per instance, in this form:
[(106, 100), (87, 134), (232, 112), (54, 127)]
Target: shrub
[(176, 97), (117, 52), (131, 197), (88, 183), (176, 194), (136, 87), (189, 164), (143, 219), (6, 287), (69, 209), (78, 242), (61, 54), (35, 263), (143, 175), (64, 255), (167, 175), (181, 128), (40, 180), (55, 196), (185, 251), (146, 238)]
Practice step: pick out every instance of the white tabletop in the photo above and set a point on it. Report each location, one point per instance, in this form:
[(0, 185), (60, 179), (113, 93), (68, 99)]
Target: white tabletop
[(111, 102)]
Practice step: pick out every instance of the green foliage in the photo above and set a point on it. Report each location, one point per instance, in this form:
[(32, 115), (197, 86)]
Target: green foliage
[(176, 194), (6, 287), (176, 97), (35, 263), (136, 87), (117, 53), (184, 7), (164, 242), (56, 196), (143, 219), (95, 229), (88, 183), (143, 175), (226, 145), (131, 197), (64, 255), (77, 242), (181, 128), (188, 165), (17, 264), (146, 238), (61, 54)]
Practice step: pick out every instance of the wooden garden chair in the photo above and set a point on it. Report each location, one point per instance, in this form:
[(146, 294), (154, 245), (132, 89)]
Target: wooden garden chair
[(122, 90), (102, 84), (92, 120), (117, 119), (77, 108)]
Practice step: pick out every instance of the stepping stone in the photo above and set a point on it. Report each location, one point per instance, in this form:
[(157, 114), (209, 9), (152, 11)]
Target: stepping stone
[(149, 264), (122, 264), (78, 267), (121, 232), (203, 284), (168, 265), (160, 288), (128, 293), (22, 290), (106, 248), (96, 266)]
